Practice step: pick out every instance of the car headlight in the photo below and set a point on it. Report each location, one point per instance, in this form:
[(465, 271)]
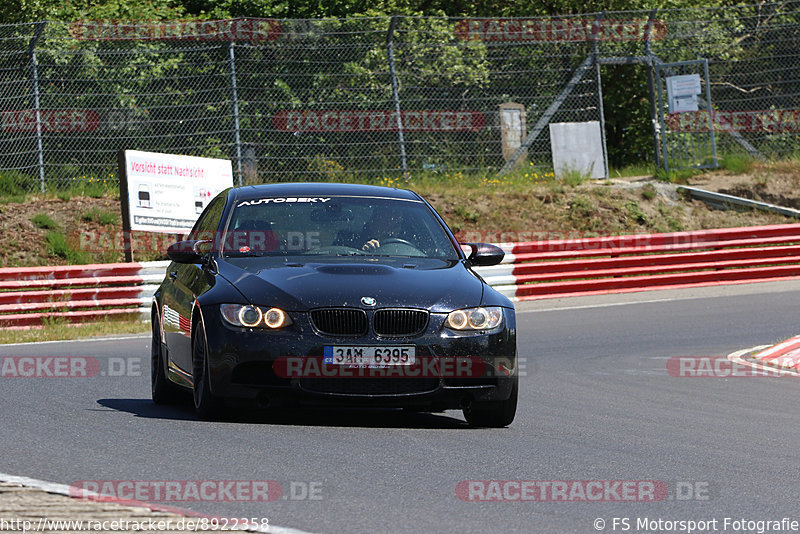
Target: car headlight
[(471, 319), (254, 316)]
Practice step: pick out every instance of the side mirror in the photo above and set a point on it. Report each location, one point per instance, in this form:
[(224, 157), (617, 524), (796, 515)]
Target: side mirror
[(190, 251), (484, 254)]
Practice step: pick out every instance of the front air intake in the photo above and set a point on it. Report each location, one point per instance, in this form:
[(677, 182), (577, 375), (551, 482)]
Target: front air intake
[(340, 321), (400, 322)]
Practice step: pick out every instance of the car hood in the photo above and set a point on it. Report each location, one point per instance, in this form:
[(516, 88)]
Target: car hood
[(437, 285)]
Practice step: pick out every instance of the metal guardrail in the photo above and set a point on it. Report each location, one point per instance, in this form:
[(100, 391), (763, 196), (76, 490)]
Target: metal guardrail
[(723, 201)]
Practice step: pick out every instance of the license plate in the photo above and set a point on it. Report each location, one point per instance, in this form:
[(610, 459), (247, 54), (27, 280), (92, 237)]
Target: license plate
[(370, 356)]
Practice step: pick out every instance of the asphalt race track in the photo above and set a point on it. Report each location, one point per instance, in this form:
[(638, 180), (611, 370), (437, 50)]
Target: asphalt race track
[(596, 404)]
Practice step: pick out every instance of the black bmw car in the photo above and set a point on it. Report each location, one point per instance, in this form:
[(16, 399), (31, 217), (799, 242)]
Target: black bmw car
[(332, 294)]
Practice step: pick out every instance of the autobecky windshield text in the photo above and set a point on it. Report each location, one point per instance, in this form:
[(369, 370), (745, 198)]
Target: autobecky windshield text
[(336, 226)]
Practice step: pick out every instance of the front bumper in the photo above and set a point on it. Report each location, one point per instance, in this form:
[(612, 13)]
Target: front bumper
[(242, 364)]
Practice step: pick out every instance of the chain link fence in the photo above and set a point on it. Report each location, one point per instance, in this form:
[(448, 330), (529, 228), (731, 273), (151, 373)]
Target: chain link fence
[(375, 98)]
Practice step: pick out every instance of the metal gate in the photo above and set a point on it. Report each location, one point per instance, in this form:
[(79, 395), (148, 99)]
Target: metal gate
[(686, 118)]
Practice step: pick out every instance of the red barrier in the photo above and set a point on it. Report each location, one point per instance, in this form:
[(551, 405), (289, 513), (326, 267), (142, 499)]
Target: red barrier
[(558, 268), (778, 254), (69, 271), (28, 296), (677, 240), (539, 269)]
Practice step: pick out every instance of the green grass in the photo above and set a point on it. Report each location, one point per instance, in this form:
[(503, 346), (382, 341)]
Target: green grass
[(44, 222), (13, 187), (100, 216), (649, 192), (57, 245), (84, 187), (737, 163), (466, 214), (677, 177), (16, 186), (634, 211), (574, 178), (635, 170), (58, 330)]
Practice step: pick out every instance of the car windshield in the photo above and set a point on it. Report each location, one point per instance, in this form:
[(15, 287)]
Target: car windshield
[(335, 226)]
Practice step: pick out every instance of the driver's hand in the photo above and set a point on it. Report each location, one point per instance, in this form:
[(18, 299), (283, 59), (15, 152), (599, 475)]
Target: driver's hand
[(372, 244)]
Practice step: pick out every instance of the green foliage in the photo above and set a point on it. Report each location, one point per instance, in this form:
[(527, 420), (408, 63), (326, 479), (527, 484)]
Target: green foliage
[(15, 11), (99, 216), (649, 192), (43, 221), (14, 186), (582, 207), (473, 8), (466, 214), (57, 245), (574, 178), (671, 215), (632, 170), (435, 66), (89, 188), (737, 163), (677, 177), (626, 103), (634, 211)]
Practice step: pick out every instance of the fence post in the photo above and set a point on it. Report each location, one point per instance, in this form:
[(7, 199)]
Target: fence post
[(648, 52), (596, 52), (37, 34), (237, 141), (396, 97)]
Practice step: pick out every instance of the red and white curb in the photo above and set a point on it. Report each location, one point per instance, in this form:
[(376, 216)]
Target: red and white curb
[(63, 489), (501, 277), (784, 355), (782, 358)]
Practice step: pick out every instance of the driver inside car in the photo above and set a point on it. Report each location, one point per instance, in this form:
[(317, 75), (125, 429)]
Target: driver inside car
[(384, 224)]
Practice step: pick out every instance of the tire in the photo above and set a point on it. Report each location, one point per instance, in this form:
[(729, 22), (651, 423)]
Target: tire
[(493, 414), (206, 404), (162, 390)]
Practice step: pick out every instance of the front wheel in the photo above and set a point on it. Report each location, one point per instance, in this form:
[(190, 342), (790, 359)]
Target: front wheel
[(162, 390), (206, 404), (494, 414)]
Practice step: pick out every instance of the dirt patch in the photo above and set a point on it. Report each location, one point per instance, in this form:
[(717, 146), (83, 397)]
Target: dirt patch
[(91, 228), (597, 208)]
